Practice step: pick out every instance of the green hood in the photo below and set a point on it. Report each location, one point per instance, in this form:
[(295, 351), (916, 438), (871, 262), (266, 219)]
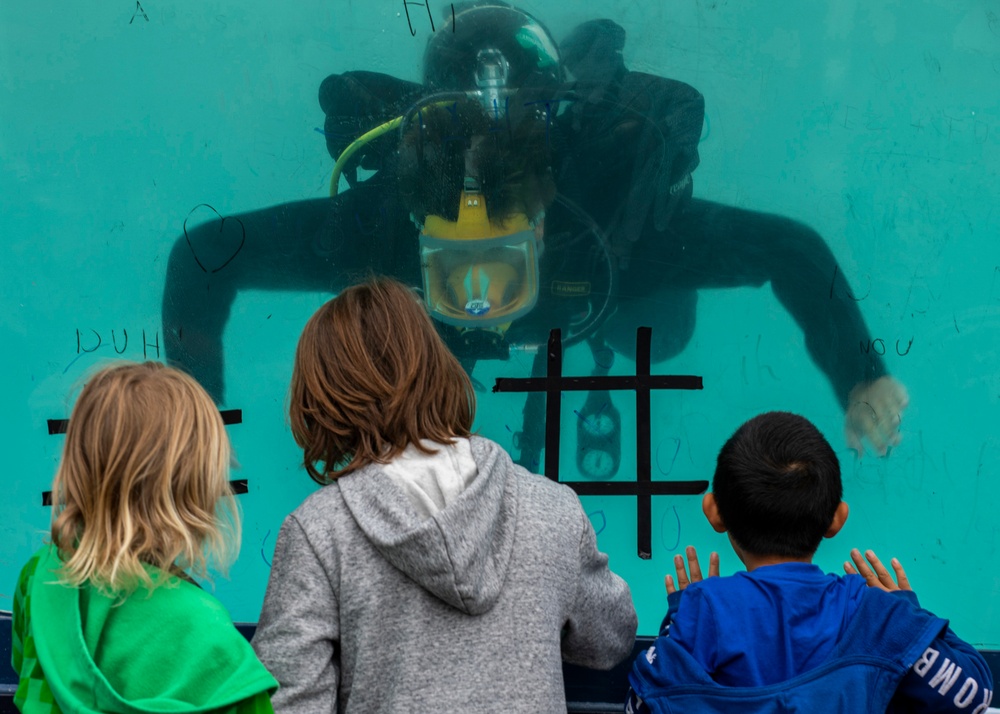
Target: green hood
[(174, 649)]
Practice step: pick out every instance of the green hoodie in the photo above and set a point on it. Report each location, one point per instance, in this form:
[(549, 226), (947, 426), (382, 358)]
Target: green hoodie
[(172, 650)]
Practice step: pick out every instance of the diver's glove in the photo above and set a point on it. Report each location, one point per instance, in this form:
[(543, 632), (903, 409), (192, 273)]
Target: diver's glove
[(598, 437), (357, 102), (593, 52)]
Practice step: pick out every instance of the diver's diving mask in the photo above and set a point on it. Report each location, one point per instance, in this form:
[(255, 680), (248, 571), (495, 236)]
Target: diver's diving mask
[(478, 274)]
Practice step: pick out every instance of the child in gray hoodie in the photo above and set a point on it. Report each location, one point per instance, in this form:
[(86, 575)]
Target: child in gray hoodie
[(430, 573)]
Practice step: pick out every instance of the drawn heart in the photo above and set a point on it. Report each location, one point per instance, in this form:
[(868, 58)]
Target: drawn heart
[(217, 240)]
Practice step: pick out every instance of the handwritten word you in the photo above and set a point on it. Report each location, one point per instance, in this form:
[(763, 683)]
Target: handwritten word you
[(878, 346)]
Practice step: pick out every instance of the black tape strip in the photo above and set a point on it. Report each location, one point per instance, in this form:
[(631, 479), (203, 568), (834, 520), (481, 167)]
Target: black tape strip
[(643, 488), (643, 465), (46, 498), (584, 384), (553, 404), (633, 488), (240, 485), (229, 416)]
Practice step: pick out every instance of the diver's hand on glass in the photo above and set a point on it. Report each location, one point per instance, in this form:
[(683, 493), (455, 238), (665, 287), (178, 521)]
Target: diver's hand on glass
[(874, 413), (692, 563), (351, 109), (877, 576)]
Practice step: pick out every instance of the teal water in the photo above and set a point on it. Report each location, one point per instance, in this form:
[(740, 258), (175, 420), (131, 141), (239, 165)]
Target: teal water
[(876, 124)]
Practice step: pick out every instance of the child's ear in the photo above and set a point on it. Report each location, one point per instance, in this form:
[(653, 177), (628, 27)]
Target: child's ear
[(711, 511), (839, 519)]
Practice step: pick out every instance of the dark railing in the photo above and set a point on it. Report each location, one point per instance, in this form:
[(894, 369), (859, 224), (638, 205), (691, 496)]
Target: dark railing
[(587, 691)]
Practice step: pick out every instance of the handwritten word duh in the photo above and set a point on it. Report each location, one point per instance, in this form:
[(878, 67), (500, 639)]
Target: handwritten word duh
[(90, 340)]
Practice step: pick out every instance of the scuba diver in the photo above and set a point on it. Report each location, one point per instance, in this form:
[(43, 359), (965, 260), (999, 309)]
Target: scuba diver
[(525, 186)]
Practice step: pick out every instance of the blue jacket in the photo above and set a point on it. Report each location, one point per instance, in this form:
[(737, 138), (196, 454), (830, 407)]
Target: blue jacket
[(788, 638)]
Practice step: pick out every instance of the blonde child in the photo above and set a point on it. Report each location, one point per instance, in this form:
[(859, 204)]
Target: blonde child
[(108, 617)]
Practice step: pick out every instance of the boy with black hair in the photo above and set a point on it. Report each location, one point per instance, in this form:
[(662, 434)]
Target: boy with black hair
[(783, 636)]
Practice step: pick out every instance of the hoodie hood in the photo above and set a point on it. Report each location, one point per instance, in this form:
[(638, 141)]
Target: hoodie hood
[(462, 552), (432, 481)]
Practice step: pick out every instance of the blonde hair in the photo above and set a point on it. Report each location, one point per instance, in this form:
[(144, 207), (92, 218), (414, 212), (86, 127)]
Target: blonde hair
[(372, 376), (144, 480)]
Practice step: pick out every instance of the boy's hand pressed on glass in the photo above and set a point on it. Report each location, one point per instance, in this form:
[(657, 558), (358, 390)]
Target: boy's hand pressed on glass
[(877, 576), (695, 567)]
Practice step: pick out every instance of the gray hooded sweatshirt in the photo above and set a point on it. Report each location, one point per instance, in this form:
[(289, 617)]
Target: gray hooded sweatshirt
[(375, 606)]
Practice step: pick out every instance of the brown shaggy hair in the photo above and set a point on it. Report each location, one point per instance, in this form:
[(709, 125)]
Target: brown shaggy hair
[(143, 481), (372, 376)]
